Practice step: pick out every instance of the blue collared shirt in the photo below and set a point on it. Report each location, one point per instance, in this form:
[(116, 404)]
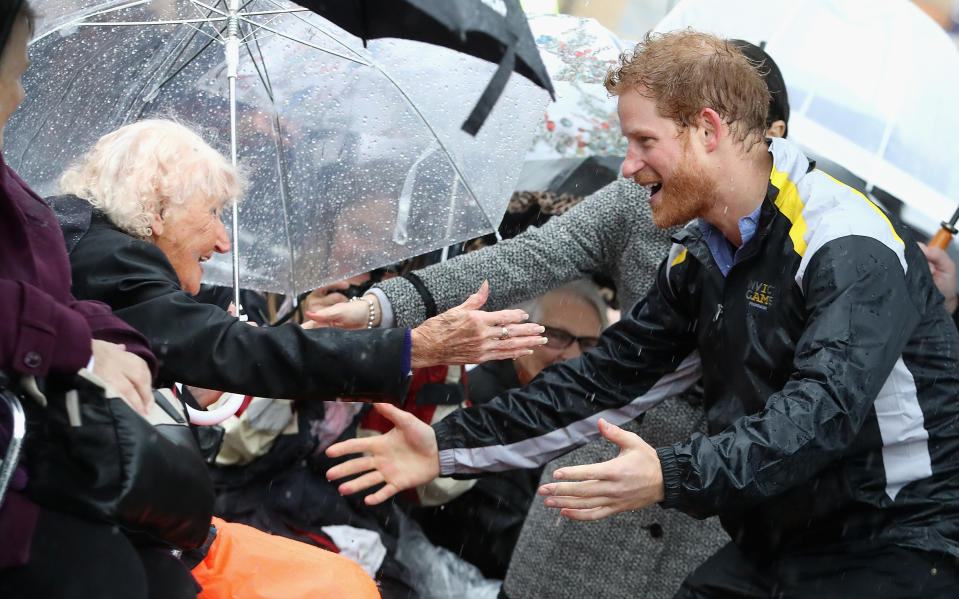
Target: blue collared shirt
[(724, 252)]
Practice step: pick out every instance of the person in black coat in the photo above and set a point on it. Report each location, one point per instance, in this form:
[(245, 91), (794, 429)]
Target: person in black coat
[(142, 215)]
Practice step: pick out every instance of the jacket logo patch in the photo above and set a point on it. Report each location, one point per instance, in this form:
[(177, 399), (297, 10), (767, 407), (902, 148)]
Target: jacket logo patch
[(760, 295)]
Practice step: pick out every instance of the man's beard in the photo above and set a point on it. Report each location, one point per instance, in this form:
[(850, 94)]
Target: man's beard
[(689, 194)]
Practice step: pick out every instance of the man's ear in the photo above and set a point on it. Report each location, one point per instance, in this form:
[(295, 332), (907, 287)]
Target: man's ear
[(711, 129)]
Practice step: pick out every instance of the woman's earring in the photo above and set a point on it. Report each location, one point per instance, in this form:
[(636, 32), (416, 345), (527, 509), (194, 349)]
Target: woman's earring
[(149, 231)]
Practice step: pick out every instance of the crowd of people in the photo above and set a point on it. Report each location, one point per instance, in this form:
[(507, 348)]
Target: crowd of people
[(782, 380)]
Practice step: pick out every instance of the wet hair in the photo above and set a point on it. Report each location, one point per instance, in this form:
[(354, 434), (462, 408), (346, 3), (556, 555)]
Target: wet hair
[(685, 71), (146, 168), (10, 11)]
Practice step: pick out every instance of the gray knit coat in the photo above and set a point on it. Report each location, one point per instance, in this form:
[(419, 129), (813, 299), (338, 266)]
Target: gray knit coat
[(646, 553)]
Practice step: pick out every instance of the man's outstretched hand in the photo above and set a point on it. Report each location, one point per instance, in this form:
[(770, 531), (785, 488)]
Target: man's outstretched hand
[(630, 481), (403, 458)]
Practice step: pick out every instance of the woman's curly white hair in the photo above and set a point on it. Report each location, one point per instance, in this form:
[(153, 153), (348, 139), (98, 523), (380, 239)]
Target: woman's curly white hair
[(143, 169)]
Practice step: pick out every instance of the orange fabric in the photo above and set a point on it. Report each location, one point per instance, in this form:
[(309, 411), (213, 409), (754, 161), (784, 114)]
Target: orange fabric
[(246, 563)]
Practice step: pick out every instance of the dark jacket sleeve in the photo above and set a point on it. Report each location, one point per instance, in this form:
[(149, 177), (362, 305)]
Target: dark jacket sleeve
[(860, 312), (105, 326), (200, 344), (40, 335), (641, 360)]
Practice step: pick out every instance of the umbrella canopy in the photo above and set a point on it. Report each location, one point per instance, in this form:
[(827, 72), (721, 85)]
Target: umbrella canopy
[(872, 83), (493, 30), (578, 146), (354, 154)]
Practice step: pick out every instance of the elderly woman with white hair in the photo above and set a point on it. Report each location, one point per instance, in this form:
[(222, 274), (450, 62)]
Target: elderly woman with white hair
[(141, 215)]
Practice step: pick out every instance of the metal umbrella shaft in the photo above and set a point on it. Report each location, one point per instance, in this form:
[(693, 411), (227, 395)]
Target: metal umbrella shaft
[(232, 49)]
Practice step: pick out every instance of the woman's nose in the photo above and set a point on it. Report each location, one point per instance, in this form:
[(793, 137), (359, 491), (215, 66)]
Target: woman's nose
[(222, 239)]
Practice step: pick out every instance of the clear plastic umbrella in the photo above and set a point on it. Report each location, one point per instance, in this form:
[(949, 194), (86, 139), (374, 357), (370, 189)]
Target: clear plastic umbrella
[(354, 154), (582, 124), (873, 86)]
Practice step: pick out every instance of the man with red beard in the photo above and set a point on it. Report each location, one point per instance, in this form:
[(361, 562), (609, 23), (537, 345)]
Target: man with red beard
[(827, 358)]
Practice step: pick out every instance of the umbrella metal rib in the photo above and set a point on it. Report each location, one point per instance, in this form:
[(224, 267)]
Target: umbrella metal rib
[(98, 13), (142, 23), (439, 141), (281, 167), (299, 41)]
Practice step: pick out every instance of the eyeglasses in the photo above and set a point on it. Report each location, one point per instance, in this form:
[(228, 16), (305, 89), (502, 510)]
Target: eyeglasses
[(560, 339)]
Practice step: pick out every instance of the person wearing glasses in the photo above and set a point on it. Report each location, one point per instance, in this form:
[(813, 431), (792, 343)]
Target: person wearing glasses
[(483, 524)]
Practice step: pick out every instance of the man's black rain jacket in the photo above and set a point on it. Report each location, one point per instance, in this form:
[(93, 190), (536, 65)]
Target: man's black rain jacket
[(831, 374)]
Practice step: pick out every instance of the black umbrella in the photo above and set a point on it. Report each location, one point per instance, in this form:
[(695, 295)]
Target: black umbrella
[(494, 30)]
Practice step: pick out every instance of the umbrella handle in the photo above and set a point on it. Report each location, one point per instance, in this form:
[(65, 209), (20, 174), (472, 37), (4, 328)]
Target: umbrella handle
[(942, 237), (218, 415)]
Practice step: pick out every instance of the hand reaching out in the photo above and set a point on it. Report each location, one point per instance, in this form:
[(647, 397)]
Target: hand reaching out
[(343, 314), (467, 335), (326, 307), (403, 458), (630, 481)]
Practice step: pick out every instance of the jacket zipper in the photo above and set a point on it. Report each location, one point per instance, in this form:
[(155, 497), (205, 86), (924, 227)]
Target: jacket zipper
[(719, 313)]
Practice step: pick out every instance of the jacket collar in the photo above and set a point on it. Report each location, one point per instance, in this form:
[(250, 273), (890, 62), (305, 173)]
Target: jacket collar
[(74, 215), (790, 165)]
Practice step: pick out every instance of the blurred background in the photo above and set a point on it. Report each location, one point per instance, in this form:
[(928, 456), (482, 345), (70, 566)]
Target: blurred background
[(631, 19)]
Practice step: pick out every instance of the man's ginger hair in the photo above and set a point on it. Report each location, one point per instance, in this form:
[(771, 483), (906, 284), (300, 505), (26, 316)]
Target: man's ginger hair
[(685, 71)]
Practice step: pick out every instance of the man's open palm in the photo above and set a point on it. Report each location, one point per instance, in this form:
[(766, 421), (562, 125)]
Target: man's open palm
[(630, 481), (403, 458)]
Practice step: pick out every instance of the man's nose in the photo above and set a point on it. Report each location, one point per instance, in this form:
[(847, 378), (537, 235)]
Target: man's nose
[(632, 164)]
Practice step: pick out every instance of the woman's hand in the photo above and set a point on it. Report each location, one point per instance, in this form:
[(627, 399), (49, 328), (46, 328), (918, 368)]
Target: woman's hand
[(344, 315), (467, 335), (126, 373)]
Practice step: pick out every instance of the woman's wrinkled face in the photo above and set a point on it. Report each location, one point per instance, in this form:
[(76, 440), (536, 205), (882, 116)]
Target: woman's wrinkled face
[(189, 234), (13, 64)]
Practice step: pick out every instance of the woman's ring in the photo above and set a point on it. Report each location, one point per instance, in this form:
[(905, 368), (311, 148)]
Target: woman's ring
[(504, 334)]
